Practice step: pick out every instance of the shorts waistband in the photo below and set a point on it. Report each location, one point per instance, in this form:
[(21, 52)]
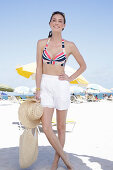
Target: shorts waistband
[(49, 76)]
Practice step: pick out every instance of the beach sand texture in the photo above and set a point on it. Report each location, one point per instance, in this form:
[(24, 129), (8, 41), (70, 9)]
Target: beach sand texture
[(89, 145)]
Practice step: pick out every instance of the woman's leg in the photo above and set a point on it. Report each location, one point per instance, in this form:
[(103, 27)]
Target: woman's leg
[(54, 141), (61, 128)]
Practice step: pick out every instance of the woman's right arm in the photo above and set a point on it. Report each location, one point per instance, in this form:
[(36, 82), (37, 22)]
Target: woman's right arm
[(38, 68)]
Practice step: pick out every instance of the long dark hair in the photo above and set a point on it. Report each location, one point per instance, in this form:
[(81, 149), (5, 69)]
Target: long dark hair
[(56, 12)]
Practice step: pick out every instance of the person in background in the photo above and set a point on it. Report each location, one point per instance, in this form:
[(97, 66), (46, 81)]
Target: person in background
[(110, 97), (96, 97)]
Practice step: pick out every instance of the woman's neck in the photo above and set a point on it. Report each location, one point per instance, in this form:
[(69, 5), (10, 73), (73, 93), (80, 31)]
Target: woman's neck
[(56, 37)]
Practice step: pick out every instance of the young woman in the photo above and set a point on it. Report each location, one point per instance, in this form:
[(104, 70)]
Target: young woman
[(52, 84)]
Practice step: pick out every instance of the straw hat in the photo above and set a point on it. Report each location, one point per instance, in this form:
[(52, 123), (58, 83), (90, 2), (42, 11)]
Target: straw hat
[(30, 112), (28, 148)]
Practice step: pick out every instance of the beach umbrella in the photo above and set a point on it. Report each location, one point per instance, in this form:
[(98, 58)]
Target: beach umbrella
[(98, 87), (22, 90), (33, 89), (2, 93), (7, 88), (111, 89), (80, 80), (76, 89), (29, 70), (26, 70), (91, 91)]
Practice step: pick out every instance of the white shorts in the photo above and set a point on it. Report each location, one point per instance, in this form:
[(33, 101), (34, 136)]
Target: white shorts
[(54, 93)]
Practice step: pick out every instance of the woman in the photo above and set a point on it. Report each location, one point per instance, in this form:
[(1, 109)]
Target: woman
[(52, 84)]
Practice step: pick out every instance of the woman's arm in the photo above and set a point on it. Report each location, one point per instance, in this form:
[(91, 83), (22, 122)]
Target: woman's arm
[(38, 68), (75, 52)]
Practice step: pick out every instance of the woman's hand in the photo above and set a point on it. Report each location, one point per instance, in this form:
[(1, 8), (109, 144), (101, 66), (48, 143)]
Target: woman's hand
[(64, 77), (37, 95)]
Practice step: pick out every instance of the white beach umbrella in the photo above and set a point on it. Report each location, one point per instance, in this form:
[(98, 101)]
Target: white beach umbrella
[(33, 89), (76, 89), (111, 89), (98, 87), (91, 91), (22, 90)]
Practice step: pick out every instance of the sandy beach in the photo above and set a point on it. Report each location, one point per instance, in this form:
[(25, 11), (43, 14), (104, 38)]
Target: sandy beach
[(89, 145)]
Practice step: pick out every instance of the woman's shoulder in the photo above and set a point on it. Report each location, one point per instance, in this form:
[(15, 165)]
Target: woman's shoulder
[(69, 44), (42, 43)]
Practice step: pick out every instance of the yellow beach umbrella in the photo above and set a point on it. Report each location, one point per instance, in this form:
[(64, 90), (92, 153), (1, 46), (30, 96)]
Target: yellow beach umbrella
[(80, 80), (26, 70), (29, 70)]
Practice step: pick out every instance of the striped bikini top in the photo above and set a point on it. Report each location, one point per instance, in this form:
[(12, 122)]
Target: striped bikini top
[(60, 58)]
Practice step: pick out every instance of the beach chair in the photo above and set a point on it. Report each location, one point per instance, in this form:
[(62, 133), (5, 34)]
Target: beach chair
[(12, 99), (72, 98), (70, 124), (91, 98), (79, 99)]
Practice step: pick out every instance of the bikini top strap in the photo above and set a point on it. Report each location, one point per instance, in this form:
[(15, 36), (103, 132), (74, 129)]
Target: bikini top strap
[(62, 43), (63, 47), (47, 43)]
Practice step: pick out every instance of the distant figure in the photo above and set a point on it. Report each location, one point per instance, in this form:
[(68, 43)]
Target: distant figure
[(105, 96), (110, 97), (96, 97), (0, 97)]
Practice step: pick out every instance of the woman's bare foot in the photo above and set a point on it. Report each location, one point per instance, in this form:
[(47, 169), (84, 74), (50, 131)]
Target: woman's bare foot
[(70, 167), (54, 166)]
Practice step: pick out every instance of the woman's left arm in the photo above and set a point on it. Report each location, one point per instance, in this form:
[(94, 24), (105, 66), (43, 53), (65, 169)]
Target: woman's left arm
[(75, 52)]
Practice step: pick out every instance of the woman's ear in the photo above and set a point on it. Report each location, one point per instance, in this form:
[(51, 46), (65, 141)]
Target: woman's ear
[(64, 27)]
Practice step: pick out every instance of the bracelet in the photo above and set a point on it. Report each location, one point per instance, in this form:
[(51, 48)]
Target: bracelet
[(37, 89)]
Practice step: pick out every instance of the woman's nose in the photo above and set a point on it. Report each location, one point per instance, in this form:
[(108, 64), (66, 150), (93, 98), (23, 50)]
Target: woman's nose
[(56, 22)]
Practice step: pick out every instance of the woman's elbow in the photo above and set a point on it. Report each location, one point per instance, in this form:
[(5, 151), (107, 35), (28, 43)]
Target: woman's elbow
[(84, 67)]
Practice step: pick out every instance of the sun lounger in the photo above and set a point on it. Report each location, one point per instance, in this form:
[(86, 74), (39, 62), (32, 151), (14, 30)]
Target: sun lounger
[(91, 98), (70, 124)]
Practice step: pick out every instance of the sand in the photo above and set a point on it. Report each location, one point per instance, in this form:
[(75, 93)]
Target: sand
[(89, 145)]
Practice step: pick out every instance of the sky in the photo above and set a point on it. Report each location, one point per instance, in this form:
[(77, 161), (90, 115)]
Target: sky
[(89, 24)]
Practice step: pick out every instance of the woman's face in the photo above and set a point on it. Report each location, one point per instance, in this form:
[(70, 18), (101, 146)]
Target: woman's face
[(57, 23)]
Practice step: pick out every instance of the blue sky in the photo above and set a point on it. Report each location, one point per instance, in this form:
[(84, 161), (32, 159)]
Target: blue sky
[(88, 24)]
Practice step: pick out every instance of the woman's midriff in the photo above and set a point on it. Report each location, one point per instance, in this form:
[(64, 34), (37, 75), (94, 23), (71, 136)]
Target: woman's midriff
[(52, 69)]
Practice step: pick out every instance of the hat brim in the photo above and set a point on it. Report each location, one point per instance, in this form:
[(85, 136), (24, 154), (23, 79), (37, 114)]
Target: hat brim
[(23, 117)]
